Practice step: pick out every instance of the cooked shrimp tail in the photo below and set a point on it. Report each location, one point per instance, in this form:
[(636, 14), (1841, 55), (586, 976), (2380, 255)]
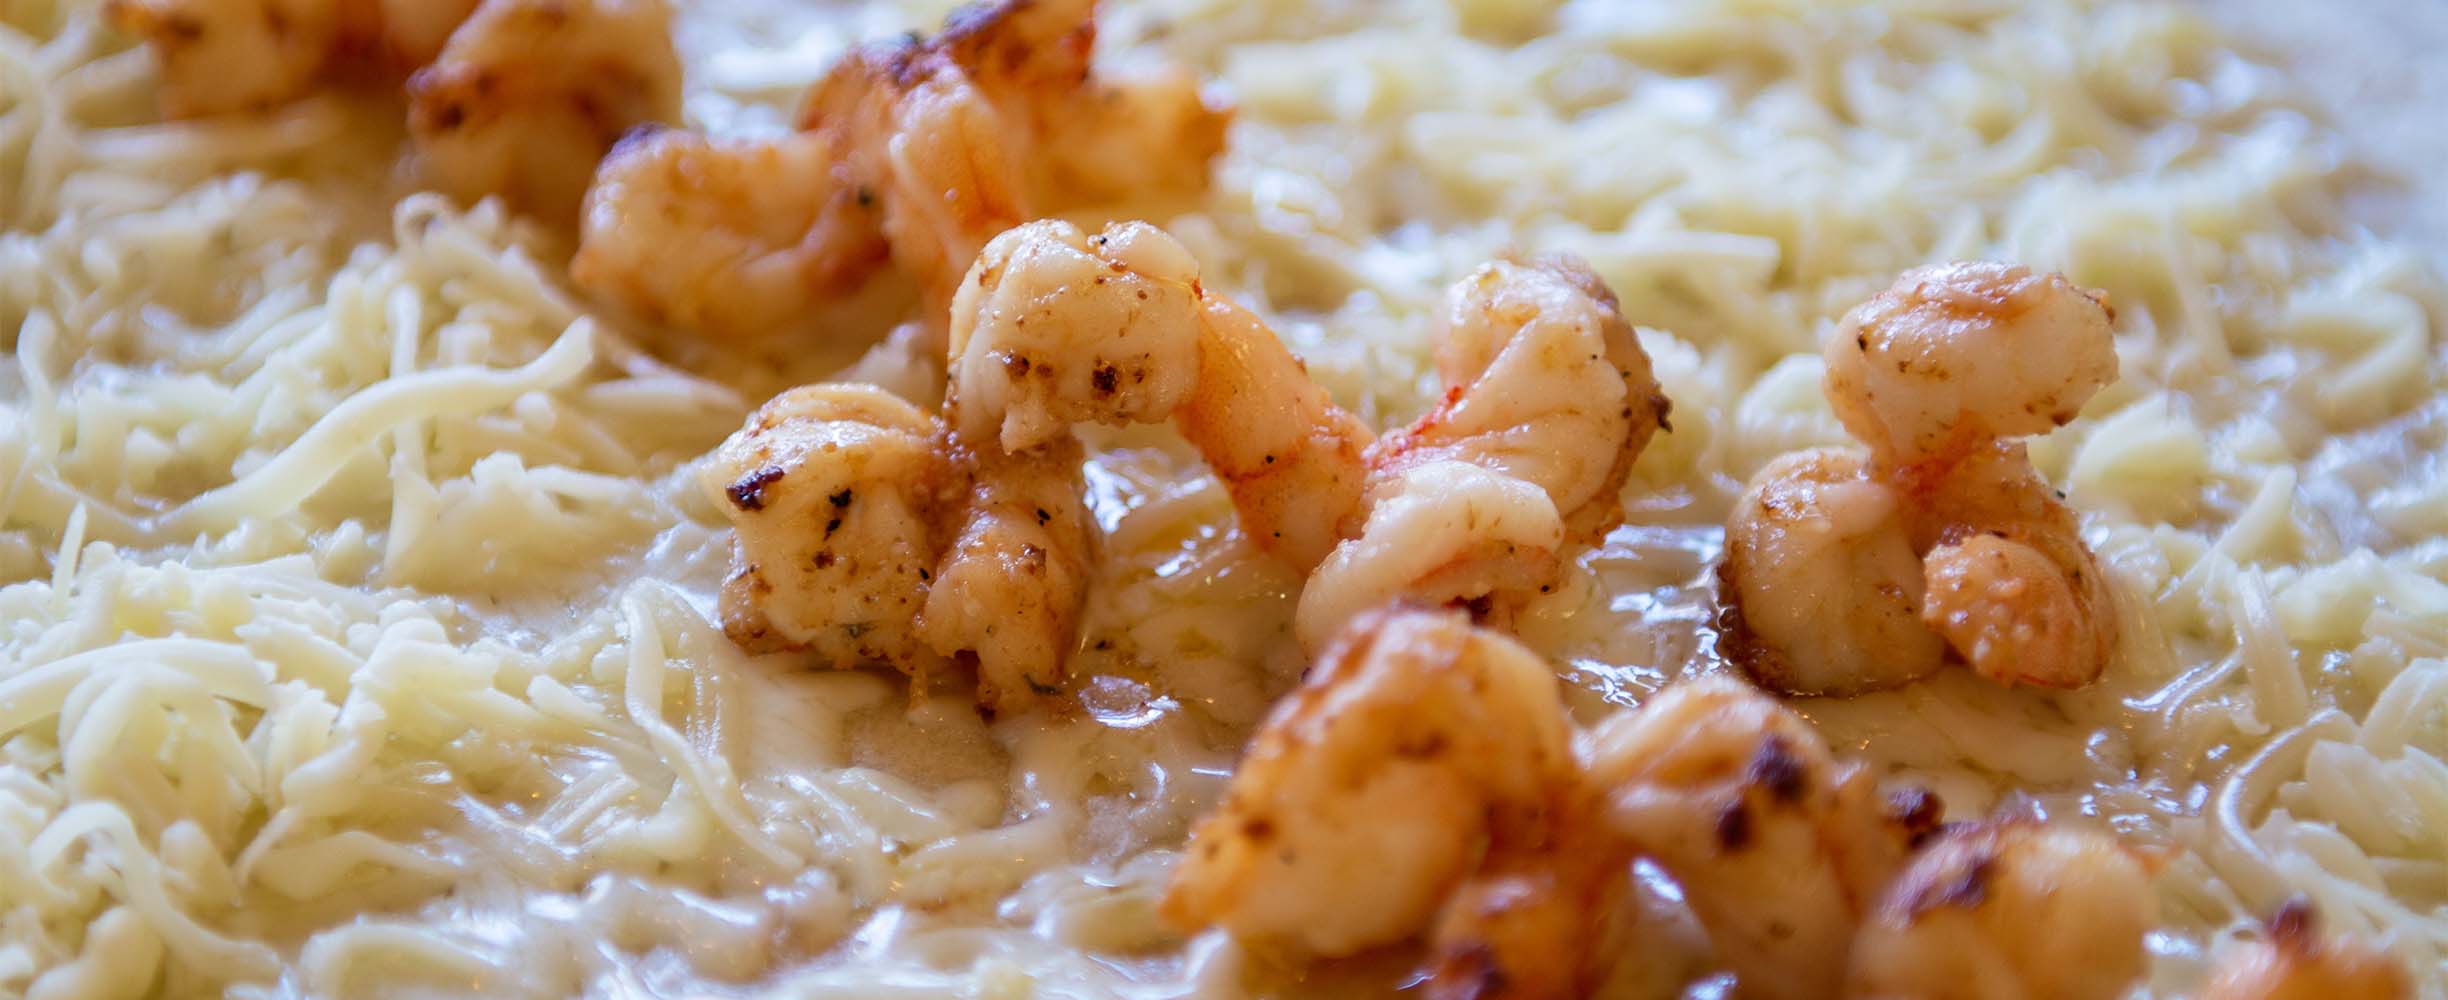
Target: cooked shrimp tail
[(2294, 961), (528, 96), (2009, 909), (1008, 593), (1367, 794)]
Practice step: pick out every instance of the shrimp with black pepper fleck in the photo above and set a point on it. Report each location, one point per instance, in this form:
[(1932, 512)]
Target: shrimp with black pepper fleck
[(528, 95), (1368, 794), (2006, 910), (2294, 961), (912, 154), (222, 56), (836, 492), (1847, 572), (1778, 846), (1549, 399)]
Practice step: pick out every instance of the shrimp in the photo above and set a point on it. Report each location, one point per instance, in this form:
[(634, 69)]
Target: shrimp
[(1539, 918), (1367, 795), (2008, 580), (727, 236), (1008, 594), (222, 56), (1824, 590), (1955, 356), (2296, 963), (2009, 910), (835, 491), (912, 155), (1055, 327), (1779, 848), (528, 95), (1547, 389), (1831, 557), (1293, 461), (519, 98)]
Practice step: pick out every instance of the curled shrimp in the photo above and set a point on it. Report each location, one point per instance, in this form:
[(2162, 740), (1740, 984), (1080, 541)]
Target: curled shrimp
[(1955, 356), (997, 525), (912, 155), (1824, 591), (1368, 793), (221, 56), (1779, 848), (2009, 910), (1832, 557), (2009, 582), (517, 98), (1056, 327), (2294, 961), (721, 235), (528, 95), (1007, 596), (1549, 400), (835, 492)]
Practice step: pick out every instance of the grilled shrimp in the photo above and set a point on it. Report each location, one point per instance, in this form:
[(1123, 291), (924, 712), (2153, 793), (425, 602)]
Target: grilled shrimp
[(1550, 398), (2009, 910), (528, 96), (1823, 586), (1368, 794), (1955, 356), (2008, 580), (2295, 963), (1291, 458), (220, 56), (238, 55), (1055, 327), (1008, 594), (728, 236), (913, 155), (835, 491), (1847, 572), (1540, 918), (1779, 848)]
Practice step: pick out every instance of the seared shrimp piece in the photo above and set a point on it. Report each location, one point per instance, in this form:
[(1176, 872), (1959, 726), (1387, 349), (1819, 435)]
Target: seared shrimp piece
[(1823, 588), (926, 149), (2009, 910), (731, 237), (1292, 459), (2009, 582), (1957, 355), (1819, 583), (1054, 327), (1545, 383), (2296, 963), (1445, 534), (1540, 919), (220, 56), (1548, 395), (1368, 794), (1008, 594), (834, 491), (528, 96), (958, 135), (1779, 848)]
